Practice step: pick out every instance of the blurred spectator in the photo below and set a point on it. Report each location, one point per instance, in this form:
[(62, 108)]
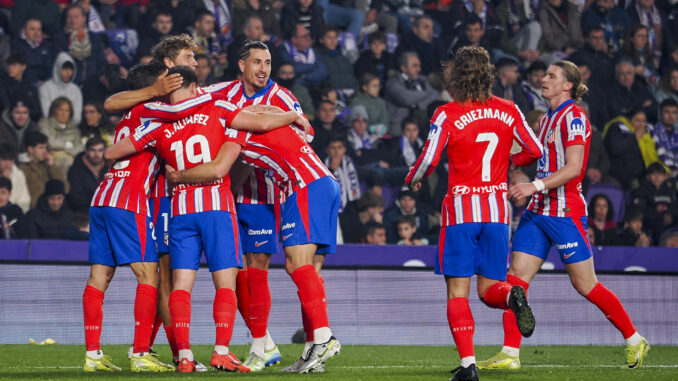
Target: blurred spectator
[(339, 69), (64, 139), (326, 92), (160, 28), (15, 85), (343, 13), (208, 41), (8, 169), (298, 50), (595, 99), (302, 12), (645, 12), (360, 139), (670, 59), (129, 13), (656, 197), (633, 234), (665, 135), (286, 78), (50, 218), (507, 84), (596, 54), (668, 87), (406, 149), (601, 218), (532, 86), (607, 16), (14, 124), (629, 92), (405, 205), (62, 85), (353, 221), (37, 50), (47, 11), (263, 10), (407, 230), (422, 41), (182, 13), (252, 30), (598, 164), (222, 17), (473, 34), (669, 239), (326, 125), (407, 92), (630, 146), (368, 97), (10, 214), (636, 49), (461, 10), (204, 71), (375, 60), (522, 31), (95, 123), (375, 233), (85, 174), (344, 170), (561, 27), (591, 234), (95, 23), (78, 229), (81, 44)]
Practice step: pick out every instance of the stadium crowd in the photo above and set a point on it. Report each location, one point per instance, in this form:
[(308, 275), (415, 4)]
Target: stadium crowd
[(368, 76)]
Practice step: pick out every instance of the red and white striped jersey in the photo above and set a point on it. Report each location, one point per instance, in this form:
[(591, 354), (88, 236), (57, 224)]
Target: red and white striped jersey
[(285, 158), (566, 126), (189, 142), (160, 186), (127, 184), (478, 138)]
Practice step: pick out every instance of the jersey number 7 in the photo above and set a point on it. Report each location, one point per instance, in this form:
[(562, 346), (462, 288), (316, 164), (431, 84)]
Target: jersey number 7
[(493, 140)]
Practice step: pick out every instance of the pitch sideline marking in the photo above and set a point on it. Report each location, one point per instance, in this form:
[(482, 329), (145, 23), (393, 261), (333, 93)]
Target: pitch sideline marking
[(406, 366)]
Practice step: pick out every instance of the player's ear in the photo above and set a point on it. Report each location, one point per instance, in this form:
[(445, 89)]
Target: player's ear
[(241, 65), (168, 62)]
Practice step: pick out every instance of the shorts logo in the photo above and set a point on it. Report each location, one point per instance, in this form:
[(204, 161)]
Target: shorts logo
[(566, 256), (289, 225), (259, 231), (257, 244), (460, 189), (306, 149), (569, 245), (287, 236)]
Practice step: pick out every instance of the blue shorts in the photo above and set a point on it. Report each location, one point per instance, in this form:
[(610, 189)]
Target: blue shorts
[(259, 227), (473, 248), (537, 233), (118, 237), (161, 213), (310, 216), (214, 232)]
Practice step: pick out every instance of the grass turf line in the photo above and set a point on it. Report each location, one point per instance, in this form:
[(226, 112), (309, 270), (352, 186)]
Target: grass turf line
[(357, 363)]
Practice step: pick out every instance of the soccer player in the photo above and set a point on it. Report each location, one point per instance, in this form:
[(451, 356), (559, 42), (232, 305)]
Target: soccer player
[(556, 215), (478, 130), (203, 214), (121, 234), (309, 220)]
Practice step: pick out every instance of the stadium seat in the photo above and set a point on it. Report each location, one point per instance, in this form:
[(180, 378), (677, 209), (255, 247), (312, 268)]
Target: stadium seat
[(615, 194)]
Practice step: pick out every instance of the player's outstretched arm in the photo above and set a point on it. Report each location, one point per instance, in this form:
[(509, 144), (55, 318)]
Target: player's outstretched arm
[(125, 100), (121, 149), (212, 171), (574, 160), (249, 121)]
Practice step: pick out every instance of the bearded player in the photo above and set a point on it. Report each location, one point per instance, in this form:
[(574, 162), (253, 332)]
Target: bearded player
[(556, 216), (478, 130)]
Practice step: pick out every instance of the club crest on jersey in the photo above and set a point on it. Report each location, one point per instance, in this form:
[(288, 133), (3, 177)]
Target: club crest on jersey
[(460, 190), (269, 173), (551, 136)]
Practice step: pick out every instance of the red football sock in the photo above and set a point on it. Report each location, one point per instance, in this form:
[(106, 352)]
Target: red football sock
[(225, 304), (462, 325), (260, 301), (613, 309), (92, 306), (512, 336), (180, 310), (243, 293), (156, 327), (169, 331), (306, 322), (311, 295), (145, 305), (496, 295)]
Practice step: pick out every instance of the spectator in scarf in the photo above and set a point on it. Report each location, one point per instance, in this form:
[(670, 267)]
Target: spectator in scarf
[(344, 170), (665, 135)]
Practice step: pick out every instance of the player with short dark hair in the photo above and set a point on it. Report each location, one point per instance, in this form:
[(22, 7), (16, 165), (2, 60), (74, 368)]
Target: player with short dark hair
[(478, 130), (556, 215)]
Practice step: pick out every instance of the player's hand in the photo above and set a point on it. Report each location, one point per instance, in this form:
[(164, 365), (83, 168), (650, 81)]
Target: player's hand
[(415, 186), (171, 174), (303, 123), (165, 84), (520, 191)]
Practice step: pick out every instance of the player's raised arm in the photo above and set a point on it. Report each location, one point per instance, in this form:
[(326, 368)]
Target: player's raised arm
[(430, 156), (248, 121), (208, 172), (125, 100), (523, 135)]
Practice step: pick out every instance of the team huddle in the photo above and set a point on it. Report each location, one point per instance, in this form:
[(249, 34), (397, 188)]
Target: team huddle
[(227, 170)]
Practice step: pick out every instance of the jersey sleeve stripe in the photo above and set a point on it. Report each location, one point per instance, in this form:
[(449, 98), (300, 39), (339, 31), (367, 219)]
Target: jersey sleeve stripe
[(226, 105), (155, 106)]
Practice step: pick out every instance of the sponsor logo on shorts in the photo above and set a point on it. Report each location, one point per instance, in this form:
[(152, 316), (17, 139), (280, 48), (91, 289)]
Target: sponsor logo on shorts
[(259, 231), (565, 256), (288, 225), (166, 239), (287, 236), (569, 245), (257, 243)]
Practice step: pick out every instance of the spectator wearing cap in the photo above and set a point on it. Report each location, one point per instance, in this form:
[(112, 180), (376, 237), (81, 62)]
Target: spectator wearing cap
[(368, 97), (15, 122), (532, 86), (339, 68), (62, 85), (406, 204), (656, 197), (37, 51), (10, 214), (9, 170), (630, 92), (51, 216), (326, 125), (665, 135), (40, 168), (298, 50), (356, 216), (358, 135), (63, 136), (507, 84), (407, 92), (85, 174), (15, 86)]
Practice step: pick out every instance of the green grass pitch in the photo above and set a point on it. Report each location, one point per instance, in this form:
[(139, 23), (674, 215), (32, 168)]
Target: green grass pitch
[(356, 363)]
